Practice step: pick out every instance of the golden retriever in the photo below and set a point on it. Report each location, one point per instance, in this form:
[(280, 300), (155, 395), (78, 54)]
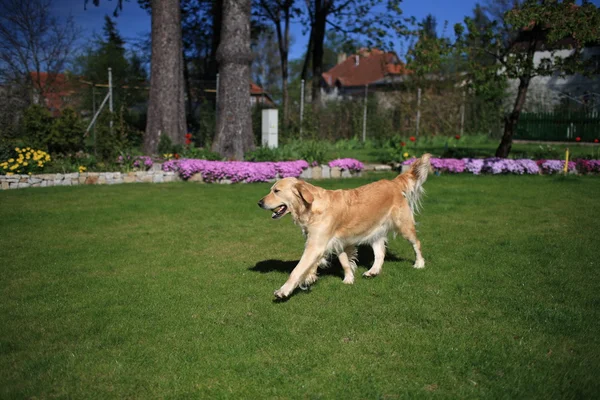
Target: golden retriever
[(336, 221)]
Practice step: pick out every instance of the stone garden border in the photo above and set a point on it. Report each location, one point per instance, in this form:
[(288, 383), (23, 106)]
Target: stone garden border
[(154, 175)]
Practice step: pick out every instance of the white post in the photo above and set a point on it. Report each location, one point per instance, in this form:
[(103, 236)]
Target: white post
[(364, 135), (110, 94), (269, 128), (301, 105), (462, 115), (418, 110)]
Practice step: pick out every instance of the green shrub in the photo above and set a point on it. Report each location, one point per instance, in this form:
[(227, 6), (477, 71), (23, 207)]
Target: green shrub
[(199, 153), (66, 135), (36, 126), (165, 145)]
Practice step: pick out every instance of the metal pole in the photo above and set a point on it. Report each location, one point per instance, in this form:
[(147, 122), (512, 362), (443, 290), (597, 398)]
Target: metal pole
[(418, 110), (301, 105), (364, 135), (110, 93), (94, 111), (462, 115)]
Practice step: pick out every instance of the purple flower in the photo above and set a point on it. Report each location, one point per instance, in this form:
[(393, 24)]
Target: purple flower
[(347, 163), (235, 171)]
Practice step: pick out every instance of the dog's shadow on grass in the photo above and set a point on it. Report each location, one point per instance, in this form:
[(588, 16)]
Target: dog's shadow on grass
[(365, 260)]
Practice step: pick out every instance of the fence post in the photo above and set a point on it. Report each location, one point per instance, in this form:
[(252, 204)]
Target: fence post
[(301, 105), (364, 132), (418, 110), (110, 104), (462, 115), (94, 113)]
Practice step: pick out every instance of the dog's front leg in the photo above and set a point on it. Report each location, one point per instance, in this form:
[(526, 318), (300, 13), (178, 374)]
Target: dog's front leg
[(312, 254)]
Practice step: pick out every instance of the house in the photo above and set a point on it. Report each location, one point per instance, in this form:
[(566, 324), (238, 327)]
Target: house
[(53, 90), (546, 93), (374, 67), (258, 96)]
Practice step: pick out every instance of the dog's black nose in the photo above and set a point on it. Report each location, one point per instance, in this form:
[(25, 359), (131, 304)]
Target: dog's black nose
[(260, 203)]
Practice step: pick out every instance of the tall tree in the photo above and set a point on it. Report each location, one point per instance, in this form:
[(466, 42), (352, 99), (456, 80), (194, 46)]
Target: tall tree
[(234, 122), (280, 13), (530, 26), (429, 26), (166, 107), (33, 40)]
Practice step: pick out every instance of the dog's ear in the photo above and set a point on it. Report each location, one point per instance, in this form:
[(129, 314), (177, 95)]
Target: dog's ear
[(301, 190)]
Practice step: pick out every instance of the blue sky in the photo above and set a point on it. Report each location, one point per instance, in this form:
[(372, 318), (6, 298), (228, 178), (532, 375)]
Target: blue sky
[(134, 22)]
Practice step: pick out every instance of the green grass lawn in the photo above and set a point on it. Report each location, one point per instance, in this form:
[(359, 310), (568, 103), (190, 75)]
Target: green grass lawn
[(165, 291)]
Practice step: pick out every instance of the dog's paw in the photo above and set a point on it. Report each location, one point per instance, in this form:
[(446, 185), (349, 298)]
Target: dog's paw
[(371, 274), (419, 264), (310, 279), (283, 292), (348, 280)]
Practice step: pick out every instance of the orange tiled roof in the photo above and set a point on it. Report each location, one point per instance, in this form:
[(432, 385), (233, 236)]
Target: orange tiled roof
[(370, 67)]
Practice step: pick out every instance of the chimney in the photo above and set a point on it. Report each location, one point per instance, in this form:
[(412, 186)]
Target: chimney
[(341, 57), (356, 60)]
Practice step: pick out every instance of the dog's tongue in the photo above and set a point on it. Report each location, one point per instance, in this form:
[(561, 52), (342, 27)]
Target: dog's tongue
[(278, 212)]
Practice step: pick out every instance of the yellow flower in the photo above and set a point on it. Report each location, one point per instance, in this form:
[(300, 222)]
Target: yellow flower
[(405, 155), (40, 164), (25, 164), (17, 150), (82, 169), (9, 173), (11, 160), (30, 173), (14, 167)]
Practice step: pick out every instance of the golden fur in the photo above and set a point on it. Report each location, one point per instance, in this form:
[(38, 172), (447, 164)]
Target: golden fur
[(336, 221)]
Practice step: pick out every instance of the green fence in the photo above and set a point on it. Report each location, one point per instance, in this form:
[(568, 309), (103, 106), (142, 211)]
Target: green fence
[(556, 126)]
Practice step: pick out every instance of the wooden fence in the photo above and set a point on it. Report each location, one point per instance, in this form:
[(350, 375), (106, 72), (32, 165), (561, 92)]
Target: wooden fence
[(559, 126)]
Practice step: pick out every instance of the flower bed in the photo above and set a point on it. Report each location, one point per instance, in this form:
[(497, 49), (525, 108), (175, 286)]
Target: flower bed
[(247, 172), (508, 166)]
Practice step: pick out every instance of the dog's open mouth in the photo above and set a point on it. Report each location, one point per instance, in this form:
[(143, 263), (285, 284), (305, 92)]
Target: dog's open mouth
[(279, 212)]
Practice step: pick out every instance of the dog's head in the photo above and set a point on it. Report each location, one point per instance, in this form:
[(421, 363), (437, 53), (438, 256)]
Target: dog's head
[(287, 195)]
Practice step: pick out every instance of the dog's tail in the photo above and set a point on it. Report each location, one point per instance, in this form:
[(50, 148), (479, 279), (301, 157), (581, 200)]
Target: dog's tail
[(413, 180)]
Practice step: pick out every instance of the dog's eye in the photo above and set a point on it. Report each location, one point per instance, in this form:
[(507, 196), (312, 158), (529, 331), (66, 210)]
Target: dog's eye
[(275, 190)]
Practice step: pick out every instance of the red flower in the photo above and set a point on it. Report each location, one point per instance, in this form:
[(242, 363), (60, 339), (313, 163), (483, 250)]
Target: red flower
[(457, 137), (412, 138), (188, 136), (176, 156), (596, 140), (578, 139), (402, 144)]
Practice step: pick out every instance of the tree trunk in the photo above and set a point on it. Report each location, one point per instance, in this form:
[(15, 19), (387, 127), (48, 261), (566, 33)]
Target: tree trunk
[(166, 108), (318, 29), (307, 57), (510, 123), (283, 39), (234, 121), (217, 19)]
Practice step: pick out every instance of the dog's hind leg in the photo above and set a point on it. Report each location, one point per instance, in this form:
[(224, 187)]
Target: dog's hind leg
[(409, 233), (379, 253), (347, 259)]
